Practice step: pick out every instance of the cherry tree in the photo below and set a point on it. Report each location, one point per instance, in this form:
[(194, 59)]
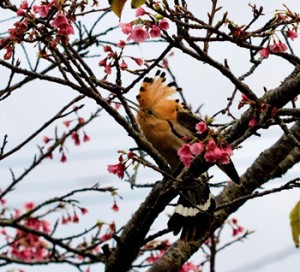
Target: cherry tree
[(100, 52)]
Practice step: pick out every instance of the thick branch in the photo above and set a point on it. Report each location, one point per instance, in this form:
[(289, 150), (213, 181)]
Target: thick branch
[(259, 173)]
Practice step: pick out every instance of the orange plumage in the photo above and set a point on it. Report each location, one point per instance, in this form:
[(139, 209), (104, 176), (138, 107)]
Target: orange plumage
[(157, 115)]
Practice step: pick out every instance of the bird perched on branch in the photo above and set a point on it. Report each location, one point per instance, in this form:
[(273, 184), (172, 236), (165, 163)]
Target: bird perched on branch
[(172, 130)]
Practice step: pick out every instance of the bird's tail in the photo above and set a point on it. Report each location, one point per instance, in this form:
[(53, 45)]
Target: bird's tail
[(194, 211)]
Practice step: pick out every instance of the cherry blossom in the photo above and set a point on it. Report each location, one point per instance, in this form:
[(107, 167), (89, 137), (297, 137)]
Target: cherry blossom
[(86, 138), (185, 155), (42, 10), (123, 65), (278, 47), (155, 32), (291, 34), (265, 52), (201, 127), (138, 34), (116, 169), (163, 24), (115, 207), (75, 138), (63, 157), (140, 12), (126, 28), (138, 61), (197, 148), (63, 24)]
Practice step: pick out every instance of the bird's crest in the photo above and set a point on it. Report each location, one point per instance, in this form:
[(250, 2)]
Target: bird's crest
[(155, 97)]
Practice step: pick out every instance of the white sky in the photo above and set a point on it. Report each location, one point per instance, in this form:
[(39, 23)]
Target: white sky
[(29, 107)]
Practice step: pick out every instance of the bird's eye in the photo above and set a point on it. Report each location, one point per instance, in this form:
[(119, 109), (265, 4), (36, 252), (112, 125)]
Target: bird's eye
[(149, 112)]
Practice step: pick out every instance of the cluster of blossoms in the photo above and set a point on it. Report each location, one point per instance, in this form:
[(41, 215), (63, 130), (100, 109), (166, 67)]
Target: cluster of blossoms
[(109, 61), (236, 228), (61, 22), (212, 152), (278, 46), (74, 136), (141, 30), (24, 245), (138, 30), (110, 232), (21, 29), (120, 168), (66, 219), (261, 108)]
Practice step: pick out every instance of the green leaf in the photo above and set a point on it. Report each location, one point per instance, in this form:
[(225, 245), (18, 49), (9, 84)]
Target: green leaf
[(137, 3), (295, 223), (117, 6)]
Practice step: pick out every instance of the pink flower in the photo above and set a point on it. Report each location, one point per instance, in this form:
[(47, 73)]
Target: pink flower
[(42, 10), (46, 139), (123, 65), (140, 12), (67, 123), (281, 17), (29, 205), (138, 61), (155, 31), (24, 5), (66, 30), (185, 155), (23, 8), (224, 157), (138, 34), (126, 28), (75, 138), (189, 267), (63, 24), (84, 211), (106, 236), (201, 127), (278, 47), (86, 138), (121, 44), (213, 155), (116, 169), (63, 157), (107, 48), (265, 52), (21, 12), (184, 150), (115, 207), (8, 54), (252, 122), (197, 148), (107, 69), (211, 145), (102, 62), (291, 34), (46, 226), (186, 161), (163, 24), (59, 20)]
